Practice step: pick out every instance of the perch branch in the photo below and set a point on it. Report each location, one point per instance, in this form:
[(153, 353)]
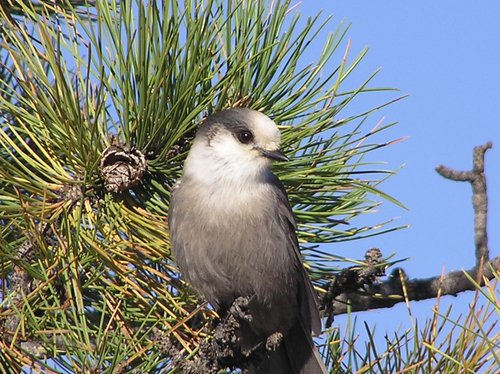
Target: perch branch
[(223, 349)]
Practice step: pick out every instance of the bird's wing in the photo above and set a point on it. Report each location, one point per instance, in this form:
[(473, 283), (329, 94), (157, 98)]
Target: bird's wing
[(307, 295)]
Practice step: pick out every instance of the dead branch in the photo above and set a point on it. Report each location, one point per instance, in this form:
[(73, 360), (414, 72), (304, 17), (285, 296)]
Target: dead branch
[(477, 179), (370, 295)]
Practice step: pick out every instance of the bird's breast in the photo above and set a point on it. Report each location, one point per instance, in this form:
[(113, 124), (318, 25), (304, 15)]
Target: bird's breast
[(234, 245)]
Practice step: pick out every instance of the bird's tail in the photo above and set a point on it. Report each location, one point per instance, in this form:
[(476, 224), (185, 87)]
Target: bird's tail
[(295, 355), (302, 354)]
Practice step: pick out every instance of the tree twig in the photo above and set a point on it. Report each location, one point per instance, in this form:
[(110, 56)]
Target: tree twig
[(370, 295), (477, 179), (390, 292)]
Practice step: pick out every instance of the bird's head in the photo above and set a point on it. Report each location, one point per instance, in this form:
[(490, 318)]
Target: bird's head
[(239, 141)]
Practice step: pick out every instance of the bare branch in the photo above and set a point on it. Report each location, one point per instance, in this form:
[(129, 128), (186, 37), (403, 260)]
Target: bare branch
[(477, 179), (364, 294), (390, 292)]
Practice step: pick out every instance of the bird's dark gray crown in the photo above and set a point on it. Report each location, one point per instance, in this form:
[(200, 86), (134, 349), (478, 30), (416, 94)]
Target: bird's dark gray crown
[(234, 120)]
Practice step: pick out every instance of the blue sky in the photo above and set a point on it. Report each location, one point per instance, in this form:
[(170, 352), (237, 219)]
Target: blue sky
[(445, 56)]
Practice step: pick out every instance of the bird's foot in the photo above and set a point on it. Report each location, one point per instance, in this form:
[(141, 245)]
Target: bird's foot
[(274, 340), (239, 309)]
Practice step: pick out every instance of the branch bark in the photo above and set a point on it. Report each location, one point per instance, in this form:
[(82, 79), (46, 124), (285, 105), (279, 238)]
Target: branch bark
[(399, 287), (477, 179)]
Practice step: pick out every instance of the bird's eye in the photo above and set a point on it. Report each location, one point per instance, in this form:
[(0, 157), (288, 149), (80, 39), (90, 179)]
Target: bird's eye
[(245, 136)]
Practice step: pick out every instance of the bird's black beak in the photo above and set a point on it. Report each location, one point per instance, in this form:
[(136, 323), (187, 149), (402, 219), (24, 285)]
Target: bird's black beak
[(274, 155)]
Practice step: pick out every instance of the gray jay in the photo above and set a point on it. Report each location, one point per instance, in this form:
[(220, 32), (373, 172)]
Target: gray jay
[(233, 235)]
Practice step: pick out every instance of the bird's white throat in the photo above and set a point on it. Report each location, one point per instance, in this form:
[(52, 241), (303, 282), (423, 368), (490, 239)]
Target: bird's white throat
[(225, 163)]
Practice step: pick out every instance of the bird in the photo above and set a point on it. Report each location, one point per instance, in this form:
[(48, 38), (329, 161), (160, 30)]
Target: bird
[(233, 234)]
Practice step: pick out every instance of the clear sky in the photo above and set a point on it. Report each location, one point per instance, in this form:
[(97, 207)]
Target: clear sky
[(445, 55)]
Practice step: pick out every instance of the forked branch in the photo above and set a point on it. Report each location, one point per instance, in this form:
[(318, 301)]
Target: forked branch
[(399, 287)]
